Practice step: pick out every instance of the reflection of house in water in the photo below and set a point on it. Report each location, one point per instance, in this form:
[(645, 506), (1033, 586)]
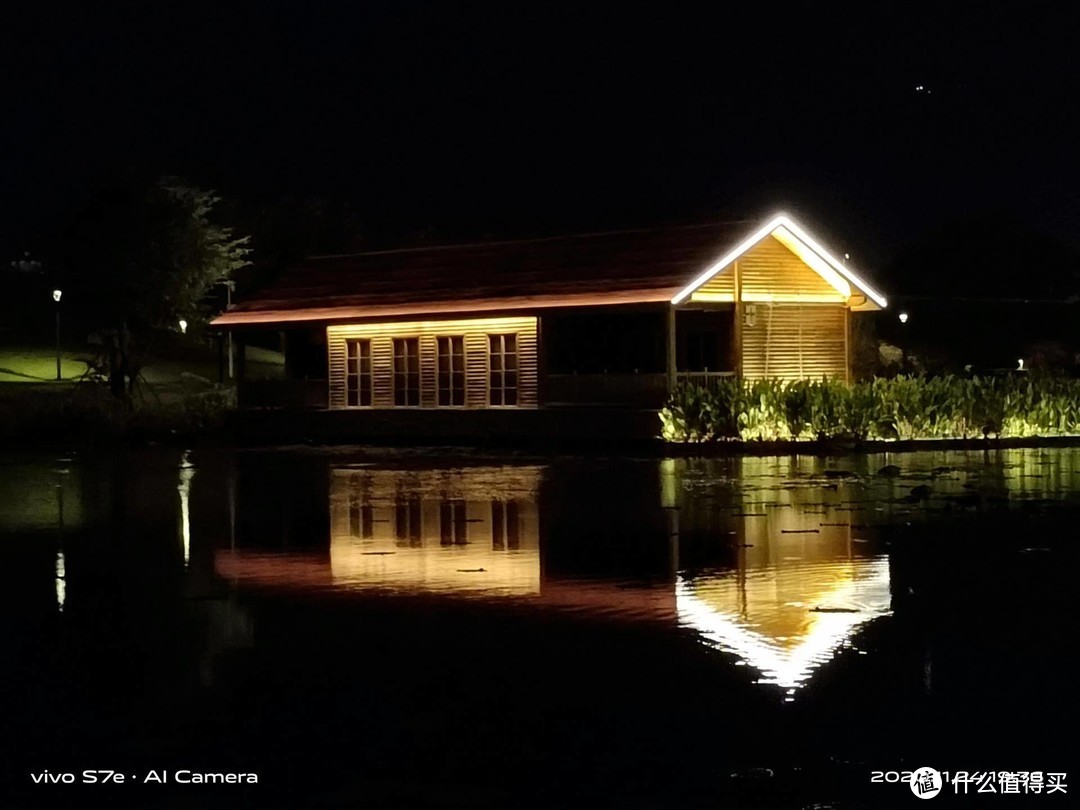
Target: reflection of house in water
[(752, 554), (785, 621), (466, 530), (799, 585)]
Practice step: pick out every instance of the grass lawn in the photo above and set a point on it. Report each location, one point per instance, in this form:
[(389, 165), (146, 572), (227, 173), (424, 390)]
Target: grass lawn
[(37, 364)]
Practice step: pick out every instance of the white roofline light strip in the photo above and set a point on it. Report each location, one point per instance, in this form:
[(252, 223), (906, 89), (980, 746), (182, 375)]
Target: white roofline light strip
[(728, 259), (780, 221)]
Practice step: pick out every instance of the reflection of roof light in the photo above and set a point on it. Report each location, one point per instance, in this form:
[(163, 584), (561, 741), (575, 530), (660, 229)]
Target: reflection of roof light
[(787, 668)]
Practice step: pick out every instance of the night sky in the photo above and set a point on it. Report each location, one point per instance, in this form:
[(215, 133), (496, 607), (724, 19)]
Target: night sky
[(473, 119)]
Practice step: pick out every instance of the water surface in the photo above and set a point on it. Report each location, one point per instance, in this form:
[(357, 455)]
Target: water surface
[(429, 629)]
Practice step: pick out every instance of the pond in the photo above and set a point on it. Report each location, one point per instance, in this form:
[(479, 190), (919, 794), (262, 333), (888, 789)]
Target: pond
[(445, 629)]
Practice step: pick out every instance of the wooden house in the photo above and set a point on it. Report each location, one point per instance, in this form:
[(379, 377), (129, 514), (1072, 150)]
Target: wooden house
[(612, 319)]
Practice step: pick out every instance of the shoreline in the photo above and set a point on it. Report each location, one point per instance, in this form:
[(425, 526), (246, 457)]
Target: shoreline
[(523, 447)]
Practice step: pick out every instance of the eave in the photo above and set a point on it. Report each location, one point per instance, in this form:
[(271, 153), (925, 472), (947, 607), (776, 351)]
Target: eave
[(239, 317)]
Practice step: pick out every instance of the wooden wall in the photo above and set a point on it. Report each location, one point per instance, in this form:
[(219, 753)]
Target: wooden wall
[(475, 332), (769, 271), (793, 322), (795, 341)]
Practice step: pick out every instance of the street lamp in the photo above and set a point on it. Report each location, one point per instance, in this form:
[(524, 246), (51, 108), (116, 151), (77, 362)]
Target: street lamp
[(183, 327), (56, 297), (903, 317)]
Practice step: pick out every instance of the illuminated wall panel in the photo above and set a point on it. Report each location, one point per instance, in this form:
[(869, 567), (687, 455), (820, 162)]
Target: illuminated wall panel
[(793, 341), (475, 333)]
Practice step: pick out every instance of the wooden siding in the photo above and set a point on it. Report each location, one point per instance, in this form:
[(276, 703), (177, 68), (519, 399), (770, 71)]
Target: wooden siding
[(475, 333), (795, 341), (769, 271)]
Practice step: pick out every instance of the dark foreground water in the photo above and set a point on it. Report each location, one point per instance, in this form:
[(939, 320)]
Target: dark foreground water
[(419, 629)]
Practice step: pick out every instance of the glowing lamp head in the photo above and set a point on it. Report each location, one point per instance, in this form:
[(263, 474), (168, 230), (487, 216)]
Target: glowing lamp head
[(56, 295), (903, 317), (183, 327), (1021, 366)]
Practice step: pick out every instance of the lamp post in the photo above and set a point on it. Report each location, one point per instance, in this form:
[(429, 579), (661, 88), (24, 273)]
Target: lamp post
[(230, 288), (56, 297), (903, 340)]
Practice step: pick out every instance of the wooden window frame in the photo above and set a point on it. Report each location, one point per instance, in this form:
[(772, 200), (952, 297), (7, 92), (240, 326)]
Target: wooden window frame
[(457, 352), (498, 386), (358, 356), (505, 533), (453, 522), (408, 523), (409, 373)]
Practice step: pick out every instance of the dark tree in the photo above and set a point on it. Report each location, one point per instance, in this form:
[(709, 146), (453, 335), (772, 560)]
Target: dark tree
[(143, 258)]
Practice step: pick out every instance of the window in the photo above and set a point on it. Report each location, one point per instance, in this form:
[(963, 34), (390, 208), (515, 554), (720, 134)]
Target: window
[(361, 517), (504, 525), (453, 523), (451, 371), (406, 371), (502, 366), (407, 523), (358, 373)]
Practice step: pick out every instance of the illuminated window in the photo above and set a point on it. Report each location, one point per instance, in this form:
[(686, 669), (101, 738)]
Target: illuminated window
[(407, 523), (504, 526), (358, 373), (451, 371), (503, 368), (406, 371), (453, 523)]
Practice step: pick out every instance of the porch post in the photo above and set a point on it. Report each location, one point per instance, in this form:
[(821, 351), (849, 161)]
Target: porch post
[(847, 344), (670, 335), (738, 336)]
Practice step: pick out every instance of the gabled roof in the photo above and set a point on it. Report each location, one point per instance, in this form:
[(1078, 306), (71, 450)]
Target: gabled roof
[(617, 267), (799, 242)]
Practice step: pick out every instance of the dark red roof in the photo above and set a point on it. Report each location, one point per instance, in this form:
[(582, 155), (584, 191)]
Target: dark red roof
[(616, 267)]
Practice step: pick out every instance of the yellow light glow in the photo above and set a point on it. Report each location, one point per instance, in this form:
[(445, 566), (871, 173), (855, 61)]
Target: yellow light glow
[(408, 328), (767, 298), (786, 238), (436, 505), (786, 655), (789, 233)]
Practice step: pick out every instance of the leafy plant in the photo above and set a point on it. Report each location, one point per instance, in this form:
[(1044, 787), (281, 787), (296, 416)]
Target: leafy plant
[(904, 407)]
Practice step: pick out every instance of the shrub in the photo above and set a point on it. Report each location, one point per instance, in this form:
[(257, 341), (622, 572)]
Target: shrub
[(902, 407)]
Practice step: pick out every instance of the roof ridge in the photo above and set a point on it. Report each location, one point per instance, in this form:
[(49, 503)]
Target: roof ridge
[(529, 241)]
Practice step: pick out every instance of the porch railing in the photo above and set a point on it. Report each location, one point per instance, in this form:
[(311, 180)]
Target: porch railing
[(705, 379)]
